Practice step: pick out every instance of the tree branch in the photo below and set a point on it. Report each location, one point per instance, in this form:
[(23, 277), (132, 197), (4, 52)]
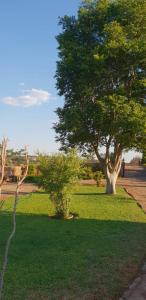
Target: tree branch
[(3, 160), (8, 243)]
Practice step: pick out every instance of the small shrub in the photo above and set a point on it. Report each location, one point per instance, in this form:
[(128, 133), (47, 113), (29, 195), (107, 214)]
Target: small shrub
[(32, 179), (32, 169), (86, 173), (60, 174), (98, 176)]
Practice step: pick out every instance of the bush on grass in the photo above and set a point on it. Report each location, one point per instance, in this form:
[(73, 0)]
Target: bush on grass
[(98, 176), (86, 173), (59, 175), (32, 170), (32, 179)]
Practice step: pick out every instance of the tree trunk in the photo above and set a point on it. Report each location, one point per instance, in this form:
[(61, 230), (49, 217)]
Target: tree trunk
[(112, 176), (111, 183), (110, 169)]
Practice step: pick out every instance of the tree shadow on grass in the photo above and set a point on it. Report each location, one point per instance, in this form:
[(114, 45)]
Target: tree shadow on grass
[(78, 257)]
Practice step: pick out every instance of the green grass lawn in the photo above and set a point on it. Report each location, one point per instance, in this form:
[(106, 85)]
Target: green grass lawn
[(93, 257)]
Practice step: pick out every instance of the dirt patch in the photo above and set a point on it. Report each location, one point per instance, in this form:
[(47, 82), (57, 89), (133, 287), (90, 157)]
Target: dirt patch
[(8, 189)]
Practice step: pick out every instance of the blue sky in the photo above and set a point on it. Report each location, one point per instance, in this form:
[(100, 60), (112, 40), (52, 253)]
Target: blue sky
[(28, 57), (28, 54)]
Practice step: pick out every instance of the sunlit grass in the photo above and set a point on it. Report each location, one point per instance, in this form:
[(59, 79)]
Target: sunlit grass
[(94, 256)]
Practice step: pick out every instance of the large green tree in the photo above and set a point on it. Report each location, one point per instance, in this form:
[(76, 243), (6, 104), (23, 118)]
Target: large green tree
[(101, 72)]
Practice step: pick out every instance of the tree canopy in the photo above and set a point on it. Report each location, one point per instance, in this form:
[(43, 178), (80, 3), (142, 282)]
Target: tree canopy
[(101, 72)]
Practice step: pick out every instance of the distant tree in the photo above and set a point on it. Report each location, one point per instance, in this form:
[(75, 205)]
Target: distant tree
[(59, 175), (15, 157), (101, 73)]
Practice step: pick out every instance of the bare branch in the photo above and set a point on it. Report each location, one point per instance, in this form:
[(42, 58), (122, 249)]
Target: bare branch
[(3, 160), (5, 261), (97, 153)]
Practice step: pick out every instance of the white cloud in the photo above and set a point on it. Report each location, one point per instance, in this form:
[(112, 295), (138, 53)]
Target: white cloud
[(30, 98)]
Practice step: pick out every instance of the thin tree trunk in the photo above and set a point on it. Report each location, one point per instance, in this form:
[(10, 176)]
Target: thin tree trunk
[(3, 157), (5, 262), (12, 234)]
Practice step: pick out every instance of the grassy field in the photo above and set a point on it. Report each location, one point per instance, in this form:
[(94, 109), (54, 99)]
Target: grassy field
[(93, 257)]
